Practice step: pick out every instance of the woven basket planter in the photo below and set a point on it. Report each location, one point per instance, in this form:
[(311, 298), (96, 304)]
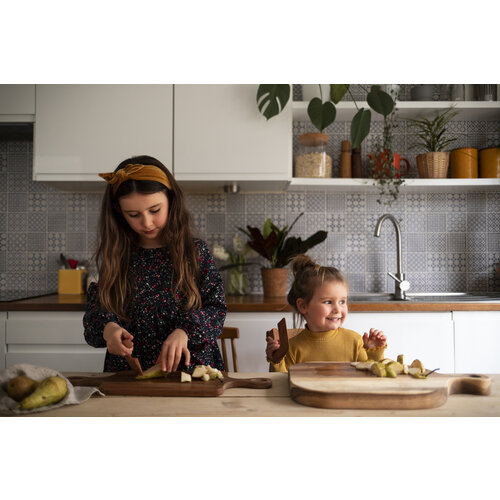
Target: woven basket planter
[(433, 165)]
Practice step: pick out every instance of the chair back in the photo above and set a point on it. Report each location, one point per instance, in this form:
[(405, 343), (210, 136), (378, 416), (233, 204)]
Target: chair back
[(229, 333)]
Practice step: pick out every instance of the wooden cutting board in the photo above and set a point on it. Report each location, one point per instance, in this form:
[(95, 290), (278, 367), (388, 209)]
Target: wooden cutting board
[(125, 384), (340, 385)]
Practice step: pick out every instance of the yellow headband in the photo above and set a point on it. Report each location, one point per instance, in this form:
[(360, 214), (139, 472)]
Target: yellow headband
[(137, 172)]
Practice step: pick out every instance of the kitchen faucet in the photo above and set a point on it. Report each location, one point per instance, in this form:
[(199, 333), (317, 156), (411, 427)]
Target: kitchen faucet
[(401, 285)]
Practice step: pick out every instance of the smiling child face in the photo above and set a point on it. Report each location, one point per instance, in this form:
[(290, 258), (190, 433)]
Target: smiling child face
[(327, 308)]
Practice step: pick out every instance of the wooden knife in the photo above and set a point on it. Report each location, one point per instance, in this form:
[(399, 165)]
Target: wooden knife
[(282, 335), (134, 363)]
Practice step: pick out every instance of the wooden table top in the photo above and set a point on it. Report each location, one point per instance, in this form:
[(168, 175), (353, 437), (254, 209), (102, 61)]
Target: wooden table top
[(273, 402), (255, 303)]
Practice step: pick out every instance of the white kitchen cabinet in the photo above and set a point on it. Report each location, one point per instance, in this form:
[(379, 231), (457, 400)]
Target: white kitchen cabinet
[(17, 103), (477, 341), (221, 137), (3, 319), (51, 339), (251, 346), (426, 336), (82, 130)]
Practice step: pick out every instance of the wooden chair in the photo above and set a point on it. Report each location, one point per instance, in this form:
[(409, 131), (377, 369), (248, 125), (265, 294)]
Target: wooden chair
[(229, 333)]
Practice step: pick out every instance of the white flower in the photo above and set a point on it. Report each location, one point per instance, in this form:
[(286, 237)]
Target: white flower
[(220, 253)]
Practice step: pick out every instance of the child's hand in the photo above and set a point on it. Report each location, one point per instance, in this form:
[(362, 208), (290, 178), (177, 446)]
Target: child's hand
[(114, 335), (272, 345), (172, 350), (376, 338)]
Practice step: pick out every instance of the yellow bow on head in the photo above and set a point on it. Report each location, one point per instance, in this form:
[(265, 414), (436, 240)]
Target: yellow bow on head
[(137, 172)]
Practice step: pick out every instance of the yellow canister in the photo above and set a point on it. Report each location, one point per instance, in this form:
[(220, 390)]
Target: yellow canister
[(463, 163), (489, 162)]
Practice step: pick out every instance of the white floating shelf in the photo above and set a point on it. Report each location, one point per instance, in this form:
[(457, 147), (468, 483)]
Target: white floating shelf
[(469, 110), (411, 185)]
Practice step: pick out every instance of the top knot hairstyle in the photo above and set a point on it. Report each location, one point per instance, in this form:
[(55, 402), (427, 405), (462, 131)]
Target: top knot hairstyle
[(308, 276)]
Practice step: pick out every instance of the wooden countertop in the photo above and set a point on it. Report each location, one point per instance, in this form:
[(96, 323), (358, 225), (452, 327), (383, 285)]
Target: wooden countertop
[(271, 402), (255, 303)]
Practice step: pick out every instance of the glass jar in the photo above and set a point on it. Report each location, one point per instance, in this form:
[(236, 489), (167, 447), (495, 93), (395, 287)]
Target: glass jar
[(237, 283), (311, 159)]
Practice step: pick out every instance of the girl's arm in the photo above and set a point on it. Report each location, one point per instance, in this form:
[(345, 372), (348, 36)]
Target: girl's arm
[(205, 325), (95, 319)]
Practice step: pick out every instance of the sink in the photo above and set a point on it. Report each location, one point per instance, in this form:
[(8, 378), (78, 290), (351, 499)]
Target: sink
[(427, 297)]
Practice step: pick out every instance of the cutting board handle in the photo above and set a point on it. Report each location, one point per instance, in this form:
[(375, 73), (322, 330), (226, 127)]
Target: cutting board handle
[(470, 384), (251, 383)]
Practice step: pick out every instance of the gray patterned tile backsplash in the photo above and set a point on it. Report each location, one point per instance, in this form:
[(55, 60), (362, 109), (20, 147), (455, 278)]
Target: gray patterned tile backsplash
[(450, 240)]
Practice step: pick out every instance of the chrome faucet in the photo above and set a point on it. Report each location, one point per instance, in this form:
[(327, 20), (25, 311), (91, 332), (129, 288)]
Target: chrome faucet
[(401, 285)]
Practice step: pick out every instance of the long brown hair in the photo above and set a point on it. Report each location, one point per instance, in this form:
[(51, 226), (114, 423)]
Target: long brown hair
[(308, 276), (116, 239)]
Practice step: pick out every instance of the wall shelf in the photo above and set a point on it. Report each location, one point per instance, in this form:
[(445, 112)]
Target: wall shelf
[(469, 110), (410, 185)]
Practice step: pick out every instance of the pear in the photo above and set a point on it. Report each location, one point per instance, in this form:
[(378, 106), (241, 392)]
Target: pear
[(397, 367), (20, 387), (418, 364), (378, 369), (185, 377), (401, 359), (154, 372), (389, 371), (205, 377), (199, 371), (49, 391)]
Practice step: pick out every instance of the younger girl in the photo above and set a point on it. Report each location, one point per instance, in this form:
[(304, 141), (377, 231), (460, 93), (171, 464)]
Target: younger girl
[(158, 286), (319, 295)]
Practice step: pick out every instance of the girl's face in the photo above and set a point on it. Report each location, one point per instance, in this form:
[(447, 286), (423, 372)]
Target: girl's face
[(147, 215), (327, 308)]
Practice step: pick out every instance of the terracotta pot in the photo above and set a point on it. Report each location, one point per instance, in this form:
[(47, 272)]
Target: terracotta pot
[(274, 281)]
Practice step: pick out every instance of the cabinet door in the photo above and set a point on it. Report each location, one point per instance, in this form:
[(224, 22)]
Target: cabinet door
[(251, 346), (426, 336), (221, 135), (477, 341), (82, 130), (17, 100), (51, 339)]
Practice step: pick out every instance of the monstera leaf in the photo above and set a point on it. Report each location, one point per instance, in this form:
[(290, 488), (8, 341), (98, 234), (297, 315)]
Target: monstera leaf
[(321, 114), (271, 99)]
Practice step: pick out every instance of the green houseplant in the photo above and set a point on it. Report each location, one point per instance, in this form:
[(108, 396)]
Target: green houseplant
[(276, 246), (433, 140), (272, 99)]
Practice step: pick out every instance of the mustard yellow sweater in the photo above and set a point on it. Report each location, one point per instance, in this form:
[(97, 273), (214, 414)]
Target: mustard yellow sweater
[(333, 345)]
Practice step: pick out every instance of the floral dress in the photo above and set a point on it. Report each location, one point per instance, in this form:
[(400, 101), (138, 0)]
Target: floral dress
[(155, 313)]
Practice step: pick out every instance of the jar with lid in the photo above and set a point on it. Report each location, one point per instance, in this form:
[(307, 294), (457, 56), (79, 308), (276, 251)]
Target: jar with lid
[(312, 159)]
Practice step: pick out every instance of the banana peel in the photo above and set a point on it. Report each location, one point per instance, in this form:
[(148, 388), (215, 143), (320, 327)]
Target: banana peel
[(49, 391)]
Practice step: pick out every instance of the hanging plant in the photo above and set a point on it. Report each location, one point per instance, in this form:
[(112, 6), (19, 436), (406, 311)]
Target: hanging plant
[(272, 99)]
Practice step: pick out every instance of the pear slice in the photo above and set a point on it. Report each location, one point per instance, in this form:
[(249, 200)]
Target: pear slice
[(154, 372), (365, 365), (415, 372), (205, 377), (199, 371), (185, 377), (378, 369), (397, 367), (389, 371), (418, 364), (401, 359)]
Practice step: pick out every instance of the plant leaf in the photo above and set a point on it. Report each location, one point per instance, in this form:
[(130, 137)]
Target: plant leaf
[(271, 99), (295, 246), (360, 127), (321, 114), (380, 101), (337, 92)]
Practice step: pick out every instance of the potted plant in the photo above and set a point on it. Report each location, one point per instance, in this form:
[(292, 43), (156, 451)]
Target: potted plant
[(275, 245), (432, 134), (272, 99), (385, 164)]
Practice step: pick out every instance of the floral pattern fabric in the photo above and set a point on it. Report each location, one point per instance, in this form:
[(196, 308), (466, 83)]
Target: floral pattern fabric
[(156, 311)]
